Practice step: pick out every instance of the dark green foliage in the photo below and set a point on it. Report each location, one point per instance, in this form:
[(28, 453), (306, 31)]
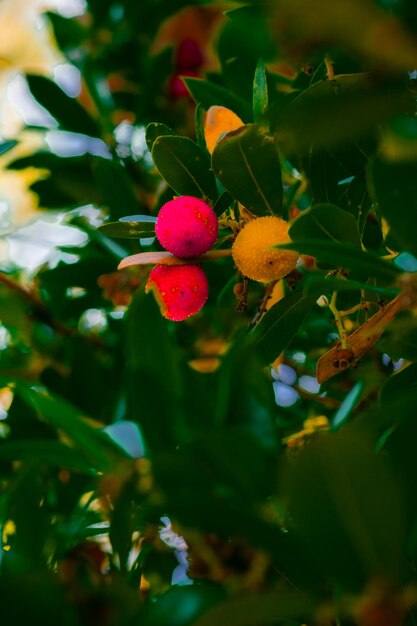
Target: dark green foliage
[(290, 503)]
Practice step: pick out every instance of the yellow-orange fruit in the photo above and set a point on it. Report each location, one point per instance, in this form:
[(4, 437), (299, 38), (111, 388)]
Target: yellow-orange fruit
[(254, 253)]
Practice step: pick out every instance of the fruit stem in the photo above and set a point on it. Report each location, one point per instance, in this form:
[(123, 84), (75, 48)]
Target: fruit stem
[(329, 67), (262, 309), (339, 321), (362, 306), (242, 296)]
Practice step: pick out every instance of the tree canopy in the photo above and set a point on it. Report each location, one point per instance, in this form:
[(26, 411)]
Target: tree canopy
[(208, 299)]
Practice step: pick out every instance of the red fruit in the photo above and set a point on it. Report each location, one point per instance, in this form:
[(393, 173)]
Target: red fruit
[(186, 226), (180, 290), (176, 86), (189, 55)]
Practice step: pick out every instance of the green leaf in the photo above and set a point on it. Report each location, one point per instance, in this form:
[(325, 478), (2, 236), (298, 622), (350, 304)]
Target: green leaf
[(68, 33), (326, 221), (5, 146), (245, 37), (405, 380), (338, 177), (363, 264), (155, 130), (227, 451), (199, 115), (185, 167), (394, 187), (154, 374), (67, 111), (318, 286), (129, 230), (280, 324), (348, 26), (223, 203), (46, 451), (259, 609), (348, 404), (247, 163), (260, 93), (181, 606), (116, 187), (344, 499), (96, 445), (209, 94), (332, 111)]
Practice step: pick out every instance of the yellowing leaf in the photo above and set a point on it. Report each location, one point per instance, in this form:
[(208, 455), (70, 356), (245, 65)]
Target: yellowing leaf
[(166, 258), (338, 359), (219, 120)]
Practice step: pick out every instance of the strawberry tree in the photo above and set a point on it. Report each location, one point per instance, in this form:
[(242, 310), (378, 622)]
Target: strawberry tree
[(208, 403)]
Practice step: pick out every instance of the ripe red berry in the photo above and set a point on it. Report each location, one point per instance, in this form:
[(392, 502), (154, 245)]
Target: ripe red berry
[(180, 290), (186, 226)]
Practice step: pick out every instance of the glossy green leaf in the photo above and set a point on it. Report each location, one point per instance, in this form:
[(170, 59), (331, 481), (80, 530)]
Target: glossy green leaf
[(247, 163), (326, 221), (363, 264), (155, 130), (184, 166), (209, 94), (128, 230), (280, 324), (67, 111), (394, 187), (260, 93), (96, 445)]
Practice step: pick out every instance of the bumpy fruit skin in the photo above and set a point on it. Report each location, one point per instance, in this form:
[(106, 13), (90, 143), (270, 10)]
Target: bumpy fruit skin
[(186, 226), (180, 290), (254, 253)]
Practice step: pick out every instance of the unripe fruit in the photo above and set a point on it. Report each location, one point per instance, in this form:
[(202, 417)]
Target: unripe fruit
[(254, 253), (180, 290), (186, 226)]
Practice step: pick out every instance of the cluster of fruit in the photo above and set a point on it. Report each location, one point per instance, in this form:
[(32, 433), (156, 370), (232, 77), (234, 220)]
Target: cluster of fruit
[(187, 227)]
